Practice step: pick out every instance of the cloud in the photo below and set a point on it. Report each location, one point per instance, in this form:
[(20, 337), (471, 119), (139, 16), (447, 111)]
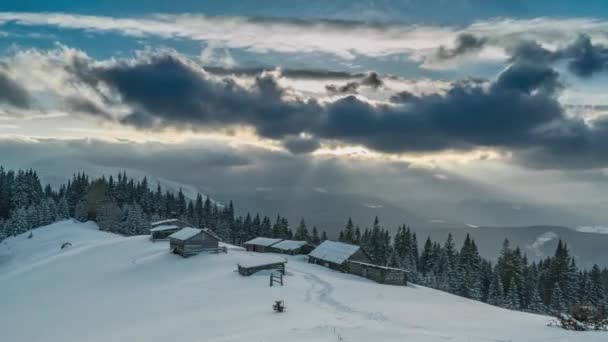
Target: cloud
[(583, 57), (540, 241), (13, 93), (466, 43), (371, 80), (342, 39), (301, 144), (517, 112)]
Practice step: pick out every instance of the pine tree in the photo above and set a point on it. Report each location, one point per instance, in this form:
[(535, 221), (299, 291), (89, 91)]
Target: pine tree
[(496, 294), (536, 303), (315, 239), (557, 300), (513, 298), (302, 232)]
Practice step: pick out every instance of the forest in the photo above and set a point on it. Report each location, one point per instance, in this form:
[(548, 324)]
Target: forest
[(126, 206)]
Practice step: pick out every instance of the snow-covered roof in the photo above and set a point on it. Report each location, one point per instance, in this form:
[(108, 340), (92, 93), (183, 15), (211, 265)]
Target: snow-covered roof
[(289, 245), (163, 222), (164, 227), (253, 261), (377, 266), (185, 233), (262, 241), (212, 233), (332, 251)]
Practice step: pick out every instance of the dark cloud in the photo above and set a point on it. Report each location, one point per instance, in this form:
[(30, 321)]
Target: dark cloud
[(583, 57), (518, 111), (348, 88), (301, 145), (403, 97), (465, 43), (371, 80), (13, 93)]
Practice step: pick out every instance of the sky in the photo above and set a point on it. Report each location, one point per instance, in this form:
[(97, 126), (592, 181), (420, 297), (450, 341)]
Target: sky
[(434, 112)]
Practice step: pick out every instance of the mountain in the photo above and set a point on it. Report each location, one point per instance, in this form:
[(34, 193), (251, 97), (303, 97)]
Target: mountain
[(106, 288)]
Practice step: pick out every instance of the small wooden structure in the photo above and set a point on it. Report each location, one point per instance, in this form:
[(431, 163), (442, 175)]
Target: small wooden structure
[(276, 279), (292, 247), (261, 244), (160, 230), (247, 269), (191, 241), (335, 255), (379, 274)]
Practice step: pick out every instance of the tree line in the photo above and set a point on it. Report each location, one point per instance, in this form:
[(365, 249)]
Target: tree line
[(126, 206), (550, 286)]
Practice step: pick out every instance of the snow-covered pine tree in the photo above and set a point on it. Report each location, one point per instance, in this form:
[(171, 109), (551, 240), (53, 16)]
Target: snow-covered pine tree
[(63, 211), (558, 304), (513, 296)]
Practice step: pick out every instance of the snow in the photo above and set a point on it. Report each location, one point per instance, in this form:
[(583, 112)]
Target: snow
[(289, 245), (164, 227), (109, 288), (185, 233), (332, 251), (262, 241)]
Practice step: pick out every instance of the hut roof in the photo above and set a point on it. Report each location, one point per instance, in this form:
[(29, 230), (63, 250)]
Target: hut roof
[(290, 245), (212, 234), (164, 222), (262, 241), (332, 251), (185, 233), (378, 266), (164, 227)]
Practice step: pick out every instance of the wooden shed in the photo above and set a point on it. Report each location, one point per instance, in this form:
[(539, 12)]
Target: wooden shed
[(335, 255), (261, 244), (191, 241), (162, 232), (292, 247), (379, 274)]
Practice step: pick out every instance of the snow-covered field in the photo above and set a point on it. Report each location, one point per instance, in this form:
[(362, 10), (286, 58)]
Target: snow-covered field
[(111, 288)]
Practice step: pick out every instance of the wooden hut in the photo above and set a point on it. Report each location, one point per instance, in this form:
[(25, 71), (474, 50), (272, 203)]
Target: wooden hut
[(261, 244), (379, 274), (191, 241), (162, 232), (335, 255), (292, 247)]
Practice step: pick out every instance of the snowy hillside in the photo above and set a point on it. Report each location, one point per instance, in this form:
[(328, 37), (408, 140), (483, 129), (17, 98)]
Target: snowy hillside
[(111, 288)]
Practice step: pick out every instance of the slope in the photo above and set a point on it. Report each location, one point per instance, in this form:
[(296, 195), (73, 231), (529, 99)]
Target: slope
[(111, 288)]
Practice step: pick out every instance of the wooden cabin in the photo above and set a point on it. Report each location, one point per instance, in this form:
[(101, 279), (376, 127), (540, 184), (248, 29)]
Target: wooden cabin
[(292, 247), (335, 255), (162, 232), (379, 274), (191, 241), (261, 244)]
